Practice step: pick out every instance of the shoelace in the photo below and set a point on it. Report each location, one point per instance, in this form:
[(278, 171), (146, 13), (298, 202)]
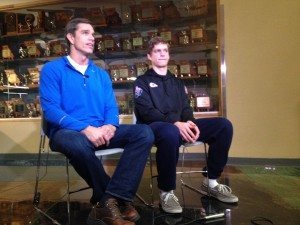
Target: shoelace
[(224, 188), (170, 195)]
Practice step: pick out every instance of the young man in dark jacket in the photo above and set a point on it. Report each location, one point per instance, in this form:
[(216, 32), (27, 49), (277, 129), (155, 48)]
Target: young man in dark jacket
[(161, 102)]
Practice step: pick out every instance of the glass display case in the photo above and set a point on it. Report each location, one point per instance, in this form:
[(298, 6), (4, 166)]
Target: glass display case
[(31, 36)]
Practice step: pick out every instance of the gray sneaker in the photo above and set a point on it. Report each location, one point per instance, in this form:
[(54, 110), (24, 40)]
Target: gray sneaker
[(169, 203), (220, 192)]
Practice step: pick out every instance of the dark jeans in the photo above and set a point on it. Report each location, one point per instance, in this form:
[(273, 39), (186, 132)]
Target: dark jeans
[(136, 140), (216, 132)]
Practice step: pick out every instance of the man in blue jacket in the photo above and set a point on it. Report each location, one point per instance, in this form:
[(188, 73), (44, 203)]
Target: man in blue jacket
[(161, 101), (81, 113)]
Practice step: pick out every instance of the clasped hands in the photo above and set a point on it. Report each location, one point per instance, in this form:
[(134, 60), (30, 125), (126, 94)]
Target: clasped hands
[(99, 135), (188, 131)]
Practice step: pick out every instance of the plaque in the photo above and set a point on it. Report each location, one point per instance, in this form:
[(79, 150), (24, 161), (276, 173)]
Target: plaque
[(197, 34), (109, 43), (7, 53), (11, 23), (137, 41), (203, 102), (124, 72), (12, 78), (166, 34), (32, 49), (185, 68), (19, 107), (34, 75), (201, 67)]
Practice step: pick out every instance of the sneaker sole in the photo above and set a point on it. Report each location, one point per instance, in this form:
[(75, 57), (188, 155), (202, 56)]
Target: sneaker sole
[(170, 211), (91, 221), (220, 199)]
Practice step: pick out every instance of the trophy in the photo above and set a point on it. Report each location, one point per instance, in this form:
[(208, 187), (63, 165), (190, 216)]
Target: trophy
[(112, 17), (23, 52), (1, 79), (12, 78), (25, 23), (34, 75), (50, 22), (3, 110), (56, 48), (7, 53)]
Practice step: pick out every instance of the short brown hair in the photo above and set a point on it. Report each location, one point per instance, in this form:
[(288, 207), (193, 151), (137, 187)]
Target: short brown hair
[(71, 26), (155, 41)]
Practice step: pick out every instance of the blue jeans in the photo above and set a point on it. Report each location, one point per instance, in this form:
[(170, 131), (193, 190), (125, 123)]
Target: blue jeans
[(136, 140), (216, 132)]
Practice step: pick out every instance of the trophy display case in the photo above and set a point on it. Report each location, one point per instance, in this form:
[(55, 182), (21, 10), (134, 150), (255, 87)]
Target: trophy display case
[(31, 36)]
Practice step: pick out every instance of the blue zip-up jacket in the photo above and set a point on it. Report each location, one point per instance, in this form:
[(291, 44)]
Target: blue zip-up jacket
[(74, 101)]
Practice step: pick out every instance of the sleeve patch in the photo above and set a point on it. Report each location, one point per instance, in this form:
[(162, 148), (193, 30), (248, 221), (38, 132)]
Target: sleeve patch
[(138, 92)]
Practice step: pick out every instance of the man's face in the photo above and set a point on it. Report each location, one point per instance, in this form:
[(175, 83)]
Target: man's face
[(159, 55), (83, 40)]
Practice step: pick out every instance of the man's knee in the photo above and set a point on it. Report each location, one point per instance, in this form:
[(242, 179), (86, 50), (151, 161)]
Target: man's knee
[(227, 125), (144, 131)]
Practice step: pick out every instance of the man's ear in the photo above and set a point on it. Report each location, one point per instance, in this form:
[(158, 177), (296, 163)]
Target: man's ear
[(70, 38), (149, 56)]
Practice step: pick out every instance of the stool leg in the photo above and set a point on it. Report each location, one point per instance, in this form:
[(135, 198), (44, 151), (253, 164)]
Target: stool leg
[(68, 191)]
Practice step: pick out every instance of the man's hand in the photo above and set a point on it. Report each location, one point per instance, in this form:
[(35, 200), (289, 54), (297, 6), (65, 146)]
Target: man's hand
[(188, 131), (99, 135)]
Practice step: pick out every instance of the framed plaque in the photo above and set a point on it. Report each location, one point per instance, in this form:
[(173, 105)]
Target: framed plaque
[(11, 23), (19, 107), (124, 72), (32, 49)]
